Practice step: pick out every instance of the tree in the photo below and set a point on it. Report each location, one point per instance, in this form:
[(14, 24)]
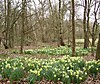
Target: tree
[(5, 32), (73, 28), (95, 24), (84, 25), (60, 38), (86, 22), (50, 21), (98, 49), (23, 24), (10, 18)]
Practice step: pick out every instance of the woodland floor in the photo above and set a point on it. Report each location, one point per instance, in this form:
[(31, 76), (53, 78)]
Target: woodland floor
[(89, 80)]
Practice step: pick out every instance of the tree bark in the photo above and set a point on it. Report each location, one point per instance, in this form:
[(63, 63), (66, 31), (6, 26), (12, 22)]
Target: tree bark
[(23, 25), (73, 28), (98, 49), (8, 22), (95, 25), (87, 24), (5, 32), (84, 24), (60, 37)]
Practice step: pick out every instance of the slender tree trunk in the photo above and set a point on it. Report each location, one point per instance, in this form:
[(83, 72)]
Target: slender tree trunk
[(73, 28), (5, 20), (87, 24), (95, 25), (88, 20), (23, 25), (60, 37), (5, 43), (98, 49), (8, 23), (93, 33), (84, 24), (12, 36)]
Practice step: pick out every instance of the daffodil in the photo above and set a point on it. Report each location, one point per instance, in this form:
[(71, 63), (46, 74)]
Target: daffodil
[(55, 75), (8, 66)]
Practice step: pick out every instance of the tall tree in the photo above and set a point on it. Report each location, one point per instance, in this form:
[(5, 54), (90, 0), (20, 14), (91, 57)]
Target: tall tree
[(6, 32), (95, 24), (8, 22), (84, 25), (60, 37), (73, 28), (23, 24), (88, 21), (98, 49)]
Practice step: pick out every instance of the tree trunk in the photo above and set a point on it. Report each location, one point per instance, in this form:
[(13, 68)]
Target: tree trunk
[(60, 37), (23, 25), (98, 49), (8, 22), (88, 20), (5, 32), (95, 25), (73, 29), (84, 24)]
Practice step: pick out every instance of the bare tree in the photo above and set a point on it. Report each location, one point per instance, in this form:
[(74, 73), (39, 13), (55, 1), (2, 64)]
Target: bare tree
[(95, 24), (98, 49), (73, 28), (61, 42), (84, 25), (23, 24)]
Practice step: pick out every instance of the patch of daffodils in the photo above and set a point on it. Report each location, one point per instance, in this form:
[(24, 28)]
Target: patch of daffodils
[(67, 69)]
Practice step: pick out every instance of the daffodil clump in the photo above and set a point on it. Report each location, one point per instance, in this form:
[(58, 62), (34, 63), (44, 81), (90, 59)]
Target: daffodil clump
[(58, 51), (67, 69)]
